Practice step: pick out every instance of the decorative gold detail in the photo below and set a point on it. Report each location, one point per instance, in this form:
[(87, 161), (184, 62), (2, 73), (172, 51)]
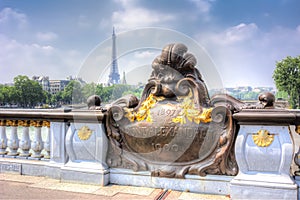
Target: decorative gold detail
[(12, 123), (84, 133), (298, 129), (144, 110), (25, 123), (263, 138), (2, 122), (46, 124), (191, 113), (36, 123), (32, 123)]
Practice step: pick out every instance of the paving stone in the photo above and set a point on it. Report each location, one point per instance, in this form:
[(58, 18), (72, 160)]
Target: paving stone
[(72, 187), (173, 195), (192, 196), (109, 190), (45, 184), (138, 190), (20, 178)]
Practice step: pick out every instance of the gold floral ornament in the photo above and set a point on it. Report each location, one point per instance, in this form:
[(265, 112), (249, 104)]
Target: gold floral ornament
[(263, 138), (144, 110), (190, 113), (84, 133)]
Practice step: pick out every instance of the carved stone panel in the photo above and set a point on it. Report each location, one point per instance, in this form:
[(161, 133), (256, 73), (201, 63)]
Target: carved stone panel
[(175, 129)]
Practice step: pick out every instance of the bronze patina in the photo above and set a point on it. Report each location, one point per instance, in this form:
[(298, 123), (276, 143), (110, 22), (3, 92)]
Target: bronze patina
[(175, 128)]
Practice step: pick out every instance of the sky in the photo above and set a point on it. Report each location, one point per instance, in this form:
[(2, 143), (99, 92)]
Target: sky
[(242, 39)]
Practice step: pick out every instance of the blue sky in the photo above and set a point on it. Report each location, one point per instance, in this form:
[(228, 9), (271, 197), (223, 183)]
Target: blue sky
[(244, 39)]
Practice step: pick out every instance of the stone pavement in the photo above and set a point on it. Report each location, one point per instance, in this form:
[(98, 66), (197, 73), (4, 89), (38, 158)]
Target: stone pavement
[(30, 187)]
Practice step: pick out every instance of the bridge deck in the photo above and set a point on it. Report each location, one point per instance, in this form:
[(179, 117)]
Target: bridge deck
[(29, 187)]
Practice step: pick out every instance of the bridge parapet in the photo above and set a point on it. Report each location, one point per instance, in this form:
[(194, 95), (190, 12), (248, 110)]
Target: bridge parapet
[(64, 144), (264, 150)]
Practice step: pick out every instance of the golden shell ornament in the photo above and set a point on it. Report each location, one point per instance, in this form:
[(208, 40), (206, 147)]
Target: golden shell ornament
[(84, 133), (263, 138)]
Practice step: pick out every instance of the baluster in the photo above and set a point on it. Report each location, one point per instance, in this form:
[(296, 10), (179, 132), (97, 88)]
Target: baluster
[(13, 142), (3, 138), (37, 143), (48, 140), (25, 143)]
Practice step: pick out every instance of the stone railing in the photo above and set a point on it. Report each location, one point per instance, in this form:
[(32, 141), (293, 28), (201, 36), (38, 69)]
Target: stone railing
[(64, 144), (264, 150), (75, 147), (25, 146)]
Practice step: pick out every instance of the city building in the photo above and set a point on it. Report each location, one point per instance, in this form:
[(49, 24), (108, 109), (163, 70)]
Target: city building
[(43, 81), (55, 86), (58, 85)]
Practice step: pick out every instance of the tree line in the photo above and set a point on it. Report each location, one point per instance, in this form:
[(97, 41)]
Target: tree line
[(27, 93), (287, 79)]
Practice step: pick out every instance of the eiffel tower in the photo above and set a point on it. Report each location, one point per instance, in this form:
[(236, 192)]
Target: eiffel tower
[(114, 76)]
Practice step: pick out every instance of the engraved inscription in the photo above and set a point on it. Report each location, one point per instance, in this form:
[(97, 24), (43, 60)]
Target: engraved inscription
[(168, 112), (11, 167), (164, 131)]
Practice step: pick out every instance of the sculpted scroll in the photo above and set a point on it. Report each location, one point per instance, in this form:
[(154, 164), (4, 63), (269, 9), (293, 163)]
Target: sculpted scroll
[(175, 128)]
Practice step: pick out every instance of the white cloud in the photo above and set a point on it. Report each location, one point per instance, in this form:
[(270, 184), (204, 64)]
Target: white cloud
[(298, 29), (245, 55), (46, 36), (132, 16), (144, 54), (235, 34), (203, 6), (202, 11), (11, 16), (35, 59), (83, 21), (240, 32)]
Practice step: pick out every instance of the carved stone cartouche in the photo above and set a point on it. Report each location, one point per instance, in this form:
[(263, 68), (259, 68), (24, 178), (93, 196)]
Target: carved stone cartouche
[(175, 129)]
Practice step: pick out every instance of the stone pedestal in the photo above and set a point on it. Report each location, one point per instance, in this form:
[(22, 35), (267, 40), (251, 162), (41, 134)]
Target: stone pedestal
[(264, 156), (86, 147)]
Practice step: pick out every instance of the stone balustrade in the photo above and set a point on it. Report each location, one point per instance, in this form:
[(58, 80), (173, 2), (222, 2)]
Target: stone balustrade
[(24, 147), (64, 144), (265, 148), (75, 148)]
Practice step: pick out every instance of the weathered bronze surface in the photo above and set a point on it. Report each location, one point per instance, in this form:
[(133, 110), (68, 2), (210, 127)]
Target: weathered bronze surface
[(94, 102), (175, 129)]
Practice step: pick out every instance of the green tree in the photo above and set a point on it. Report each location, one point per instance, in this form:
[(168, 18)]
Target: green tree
[(281, 95), (1, 95), (287, 79), (88, 90), (56, 99), (8, 95), (73, 93), (104, 92), (251, 95), (119, 90), (135, 91), (29, 92), (48, 97)]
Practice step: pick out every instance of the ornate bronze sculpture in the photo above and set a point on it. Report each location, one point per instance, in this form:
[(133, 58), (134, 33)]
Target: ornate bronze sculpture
[(175, 129)]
